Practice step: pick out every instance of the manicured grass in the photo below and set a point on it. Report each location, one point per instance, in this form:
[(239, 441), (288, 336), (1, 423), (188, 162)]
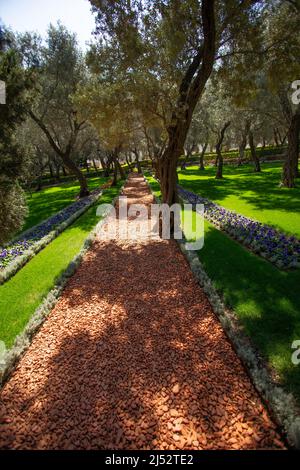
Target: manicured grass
[(22, 294), (42, 204), (261, 152), (255, 195), (265, 299)]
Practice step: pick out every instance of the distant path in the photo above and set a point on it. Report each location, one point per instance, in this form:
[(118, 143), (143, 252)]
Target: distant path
[(132, 357)]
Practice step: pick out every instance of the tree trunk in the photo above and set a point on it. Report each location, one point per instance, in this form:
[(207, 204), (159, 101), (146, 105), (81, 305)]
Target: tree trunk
[(57, 174), (217, 158), (86, 165), (104, 166), (254, 156), (84, 190), (128, 163), (137, 161), (201, 161), (64, 171), (243, 143), (290, 168), (263, 146), (275, 137), (95, 166), (282, 141), (121, 169), (51, 170), (219, 173), (186, 157), (115, 172), (39, 183), (66, 154), (242, 148), (190, 90)]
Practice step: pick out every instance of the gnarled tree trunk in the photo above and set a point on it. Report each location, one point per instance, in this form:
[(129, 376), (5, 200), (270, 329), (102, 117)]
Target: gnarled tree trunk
[(190, 90), (137, 160), (254, 156), (276, 137), (84, 190), (201, 160), (65, 154), (95, 166), (219, 173), (115, 171), (121, 170), (243, 143)]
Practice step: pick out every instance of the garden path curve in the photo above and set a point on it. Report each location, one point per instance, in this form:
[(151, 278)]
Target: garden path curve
[(133, 357)]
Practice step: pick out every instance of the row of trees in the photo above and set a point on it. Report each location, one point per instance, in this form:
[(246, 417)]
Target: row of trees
[(162, 78), (227, 63)]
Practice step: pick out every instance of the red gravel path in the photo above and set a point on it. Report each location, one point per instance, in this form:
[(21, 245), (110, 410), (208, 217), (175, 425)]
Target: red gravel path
[(132, 357)]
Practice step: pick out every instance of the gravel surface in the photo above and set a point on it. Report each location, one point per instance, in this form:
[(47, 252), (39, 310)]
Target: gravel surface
[(132, 357)]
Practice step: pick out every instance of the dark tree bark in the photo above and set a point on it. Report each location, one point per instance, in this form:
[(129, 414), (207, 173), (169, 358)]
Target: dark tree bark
[(201, 160), (121, 170), (243, 143), (116, 166), (253, 153), (191, 88), (219, 173), (283, 140), (57, 173), (290, 168), (187, 154), (128, 162), (95, 166), (51, 170), (184, 162), (65, 154), (276, 137), (137, 161), (115, 171), (217, 158), (104, 165), (64, 171), (86, 166)]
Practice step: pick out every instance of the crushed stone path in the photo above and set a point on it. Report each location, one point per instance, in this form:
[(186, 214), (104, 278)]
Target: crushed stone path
[(133, 357)]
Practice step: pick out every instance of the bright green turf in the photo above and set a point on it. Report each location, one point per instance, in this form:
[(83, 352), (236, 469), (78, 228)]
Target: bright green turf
[(22, 294), (255, 195), (265, 299), (42, 204)]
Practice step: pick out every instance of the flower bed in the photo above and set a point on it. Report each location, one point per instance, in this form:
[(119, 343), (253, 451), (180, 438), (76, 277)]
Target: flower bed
[(280, 249), (9, 358), (17, 253)]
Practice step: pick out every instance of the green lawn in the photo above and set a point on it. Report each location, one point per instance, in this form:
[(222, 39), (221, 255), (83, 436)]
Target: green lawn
[(22, 294), (265, 299), (42, 204), (256, 195)]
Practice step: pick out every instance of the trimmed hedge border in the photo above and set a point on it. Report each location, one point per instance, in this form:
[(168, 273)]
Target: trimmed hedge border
[(24, 339), (281, 405), (18, 263)]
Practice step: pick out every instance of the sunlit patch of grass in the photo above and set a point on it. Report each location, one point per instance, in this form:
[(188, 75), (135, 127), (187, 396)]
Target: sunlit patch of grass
[(265, 299), (255, 195), (22, 294), (42, 204)]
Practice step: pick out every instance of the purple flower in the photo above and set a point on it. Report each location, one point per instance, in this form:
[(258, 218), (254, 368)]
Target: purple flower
[(281, 249), (8, 254)]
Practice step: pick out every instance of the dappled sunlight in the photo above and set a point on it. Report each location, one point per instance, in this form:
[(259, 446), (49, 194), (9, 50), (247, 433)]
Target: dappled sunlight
[(133, 357), (264, 298)]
